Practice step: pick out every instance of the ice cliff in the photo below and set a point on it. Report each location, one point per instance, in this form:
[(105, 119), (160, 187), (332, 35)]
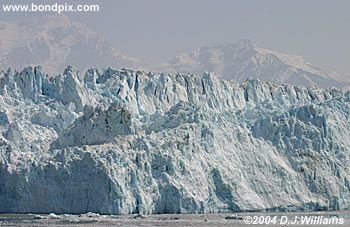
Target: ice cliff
[(122, 141)]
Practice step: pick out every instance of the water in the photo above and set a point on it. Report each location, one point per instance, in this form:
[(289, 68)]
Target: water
[(177, 220)]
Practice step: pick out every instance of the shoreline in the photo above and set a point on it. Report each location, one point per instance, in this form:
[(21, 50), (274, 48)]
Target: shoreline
[(218, 219)]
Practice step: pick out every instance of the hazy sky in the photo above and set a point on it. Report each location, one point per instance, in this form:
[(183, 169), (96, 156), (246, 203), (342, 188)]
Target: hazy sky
[(155, 30)]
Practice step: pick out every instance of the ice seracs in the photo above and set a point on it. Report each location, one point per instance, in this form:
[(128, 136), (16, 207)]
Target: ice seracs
[(124, 141)]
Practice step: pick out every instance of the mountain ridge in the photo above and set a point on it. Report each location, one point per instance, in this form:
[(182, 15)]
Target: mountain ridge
[(244, 59), (57, 42)]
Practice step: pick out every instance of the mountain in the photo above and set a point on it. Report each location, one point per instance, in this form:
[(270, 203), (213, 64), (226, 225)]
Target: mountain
[(123, 141), (55, 42), (244, 60)]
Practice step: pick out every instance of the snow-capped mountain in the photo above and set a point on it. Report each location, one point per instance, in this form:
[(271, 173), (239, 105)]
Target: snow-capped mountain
[(122, 141), (55, 42), (244, 60)]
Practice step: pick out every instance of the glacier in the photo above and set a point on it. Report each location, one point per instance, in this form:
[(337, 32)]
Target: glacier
[(122, 141)]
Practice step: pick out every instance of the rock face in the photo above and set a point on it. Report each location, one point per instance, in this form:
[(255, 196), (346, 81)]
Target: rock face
[(121, 142)]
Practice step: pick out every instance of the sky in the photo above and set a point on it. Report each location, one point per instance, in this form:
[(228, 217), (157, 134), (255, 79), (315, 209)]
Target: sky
[(155, 30)]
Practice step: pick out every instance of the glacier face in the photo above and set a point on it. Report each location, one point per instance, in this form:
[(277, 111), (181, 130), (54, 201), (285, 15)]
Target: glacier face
[(122, 141)]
